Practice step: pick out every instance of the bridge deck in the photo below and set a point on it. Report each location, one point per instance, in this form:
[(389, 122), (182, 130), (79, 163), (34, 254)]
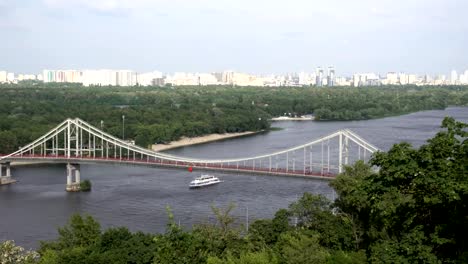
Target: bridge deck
[(173, 164)]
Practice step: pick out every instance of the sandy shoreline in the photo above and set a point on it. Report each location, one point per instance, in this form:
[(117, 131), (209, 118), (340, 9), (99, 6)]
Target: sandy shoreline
[(198, 140), (286, 118)]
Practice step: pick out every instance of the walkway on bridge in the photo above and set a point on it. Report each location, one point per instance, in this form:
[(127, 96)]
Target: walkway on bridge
[(76, 142)]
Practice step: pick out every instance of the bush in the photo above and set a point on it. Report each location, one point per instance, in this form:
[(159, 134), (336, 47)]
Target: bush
[(85, 186)]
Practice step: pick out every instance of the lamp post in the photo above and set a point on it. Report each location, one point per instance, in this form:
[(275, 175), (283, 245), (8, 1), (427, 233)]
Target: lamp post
[(102, 125), (123, 127)]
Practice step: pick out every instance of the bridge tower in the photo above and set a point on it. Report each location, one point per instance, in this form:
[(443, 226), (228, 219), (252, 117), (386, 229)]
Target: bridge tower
[(6, 179), (73, 185)]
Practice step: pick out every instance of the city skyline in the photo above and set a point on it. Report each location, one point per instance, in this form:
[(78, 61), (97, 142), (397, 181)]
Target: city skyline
[(322, 76), (255, 36)]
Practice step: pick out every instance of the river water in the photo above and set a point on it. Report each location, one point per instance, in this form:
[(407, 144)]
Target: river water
[(136, 197)]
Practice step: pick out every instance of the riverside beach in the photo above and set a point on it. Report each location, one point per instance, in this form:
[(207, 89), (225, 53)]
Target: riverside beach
[(186, 141)]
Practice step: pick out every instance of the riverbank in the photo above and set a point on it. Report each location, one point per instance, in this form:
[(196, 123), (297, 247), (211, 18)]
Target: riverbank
[(186, 141), (299, 118)]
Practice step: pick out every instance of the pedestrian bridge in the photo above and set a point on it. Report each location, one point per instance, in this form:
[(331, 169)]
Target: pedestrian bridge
[(76, 142)]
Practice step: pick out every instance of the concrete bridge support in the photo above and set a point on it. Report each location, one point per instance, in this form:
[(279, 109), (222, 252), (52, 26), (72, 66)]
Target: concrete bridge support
[(6, 178), (73, 185)]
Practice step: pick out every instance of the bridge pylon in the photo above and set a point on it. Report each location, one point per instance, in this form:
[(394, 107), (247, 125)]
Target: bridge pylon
[(73, 170), (6, 178)]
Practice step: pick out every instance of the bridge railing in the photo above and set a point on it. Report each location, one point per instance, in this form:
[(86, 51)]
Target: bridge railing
[(76, 139)]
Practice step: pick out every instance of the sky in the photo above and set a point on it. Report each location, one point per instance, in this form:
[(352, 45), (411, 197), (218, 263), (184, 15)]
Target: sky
[(256, 36)]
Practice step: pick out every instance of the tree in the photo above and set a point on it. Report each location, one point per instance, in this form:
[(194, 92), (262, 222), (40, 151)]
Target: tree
[(80, 232), (261, 257), (300, 247), (414, 209), (314, 212), (12, 254)]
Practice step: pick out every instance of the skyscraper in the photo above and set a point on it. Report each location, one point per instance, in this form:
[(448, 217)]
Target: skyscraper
[(319, 76), (331, 76)]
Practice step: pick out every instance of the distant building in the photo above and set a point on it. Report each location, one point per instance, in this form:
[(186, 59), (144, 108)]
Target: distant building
[(227, 77), (10, 77), (464, 78), (218, 76), (331, 76), (319, 76), (207, 79), (3, 76), (454, 77), (366, 79), (147, 79), (159, 81), (392, 78), (70, 76), (342, 81)]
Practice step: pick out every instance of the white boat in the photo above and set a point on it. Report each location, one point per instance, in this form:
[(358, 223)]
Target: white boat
[(204, 180)]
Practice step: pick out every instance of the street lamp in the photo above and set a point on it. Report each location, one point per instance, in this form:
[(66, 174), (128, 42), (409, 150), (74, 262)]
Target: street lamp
[(102, 125), (123, 127)]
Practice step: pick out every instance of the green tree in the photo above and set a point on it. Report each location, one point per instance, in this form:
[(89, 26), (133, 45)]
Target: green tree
[(13, 254), (301, 247), (80, 232), (414, 209)]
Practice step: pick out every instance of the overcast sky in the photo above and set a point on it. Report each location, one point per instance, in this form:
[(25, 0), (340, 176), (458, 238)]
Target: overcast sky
[(258, 36)]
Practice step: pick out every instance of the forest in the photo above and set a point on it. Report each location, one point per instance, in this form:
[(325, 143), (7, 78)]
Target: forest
[(412, 210), (162, 114)]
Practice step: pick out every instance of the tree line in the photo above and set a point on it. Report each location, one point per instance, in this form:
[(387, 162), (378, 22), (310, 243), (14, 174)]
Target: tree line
[(412, 210), (162, 114)]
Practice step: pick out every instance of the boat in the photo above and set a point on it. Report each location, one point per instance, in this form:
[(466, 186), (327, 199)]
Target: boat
[(204, 180)]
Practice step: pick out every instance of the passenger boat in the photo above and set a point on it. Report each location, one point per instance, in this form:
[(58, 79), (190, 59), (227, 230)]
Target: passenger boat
[(204, 180)]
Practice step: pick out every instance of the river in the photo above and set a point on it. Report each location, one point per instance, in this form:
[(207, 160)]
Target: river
[(136, 197)]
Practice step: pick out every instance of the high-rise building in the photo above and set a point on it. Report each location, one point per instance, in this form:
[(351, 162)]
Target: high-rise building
[(356, 80), (392, 78), (3, 76), (227, 77), (146, 79), (454, 77), (464, 78), (403, 78), (48, 76), (218, 76), (70, 76), (10, 77), (319, 76), (331, 76)]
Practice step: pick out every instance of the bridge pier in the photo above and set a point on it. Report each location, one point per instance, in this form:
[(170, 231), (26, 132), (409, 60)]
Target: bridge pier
[(73, 186), (6, 179)]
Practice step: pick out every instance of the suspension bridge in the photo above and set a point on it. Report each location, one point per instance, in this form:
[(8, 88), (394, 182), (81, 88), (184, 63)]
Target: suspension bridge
[(76, 142)]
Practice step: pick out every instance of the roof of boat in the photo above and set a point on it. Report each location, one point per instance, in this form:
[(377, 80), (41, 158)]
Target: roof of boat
[(205, 176)]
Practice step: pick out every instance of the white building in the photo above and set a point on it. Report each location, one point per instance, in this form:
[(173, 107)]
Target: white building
[(392, 78), (70, 76), (403, 78), (10, 77), (125, 78), (99, 77), (454, 77), (227, 77), (342, 81), (363, 79), (3, 76), (147, 79), (207, 79), (412, 79), (464, 78)]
